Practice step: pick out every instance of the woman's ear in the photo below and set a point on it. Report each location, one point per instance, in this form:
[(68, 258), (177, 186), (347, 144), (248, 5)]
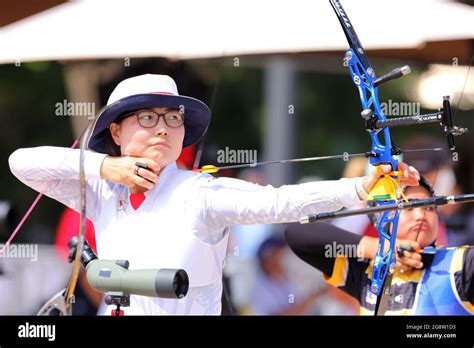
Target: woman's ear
[(114, 129)]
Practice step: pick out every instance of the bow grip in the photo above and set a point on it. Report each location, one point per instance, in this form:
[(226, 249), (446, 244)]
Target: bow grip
[(384, 189)]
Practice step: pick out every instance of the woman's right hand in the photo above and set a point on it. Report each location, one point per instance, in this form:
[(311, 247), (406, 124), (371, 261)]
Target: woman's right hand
[(408, 260), (368, 247), (121, 170)]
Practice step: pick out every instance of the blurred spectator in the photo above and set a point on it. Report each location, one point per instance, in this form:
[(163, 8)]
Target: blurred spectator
[(273, 293)]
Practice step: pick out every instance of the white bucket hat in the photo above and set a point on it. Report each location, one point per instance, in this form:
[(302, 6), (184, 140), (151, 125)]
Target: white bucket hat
[(149, 91)]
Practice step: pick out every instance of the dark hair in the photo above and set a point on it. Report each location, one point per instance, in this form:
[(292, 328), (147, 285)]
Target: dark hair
[(425, 184), (112, 148), (270, 244)]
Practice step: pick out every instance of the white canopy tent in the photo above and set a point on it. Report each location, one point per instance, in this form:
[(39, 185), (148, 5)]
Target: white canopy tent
[(82, 30), (187, 29)]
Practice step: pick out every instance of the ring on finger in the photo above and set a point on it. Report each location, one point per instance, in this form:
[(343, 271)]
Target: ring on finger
[(141, 165), (136, 170)]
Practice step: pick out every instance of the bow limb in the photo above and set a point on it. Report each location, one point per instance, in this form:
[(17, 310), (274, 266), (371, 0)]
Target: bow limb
[(69, 292), (64, 300)]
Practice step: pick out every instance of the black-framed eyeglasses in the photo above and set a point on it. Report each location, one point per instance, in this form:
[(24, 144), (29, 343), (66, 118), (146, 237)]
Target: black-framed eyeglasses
[(149, 118)]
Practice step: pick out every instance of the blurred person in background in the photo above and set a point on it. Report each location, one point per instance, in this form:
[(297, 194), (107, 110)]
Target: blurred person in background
[(273, 293)]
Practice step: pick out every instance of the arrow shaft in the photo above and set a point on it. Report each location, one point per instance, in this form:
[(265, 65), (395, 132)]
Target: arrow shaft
[(434, 201), (309, 159)]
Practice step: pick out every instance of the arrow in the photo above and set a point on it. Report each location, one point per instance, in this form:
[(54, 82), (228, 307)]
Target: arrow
[(415, 203), (209, 168)]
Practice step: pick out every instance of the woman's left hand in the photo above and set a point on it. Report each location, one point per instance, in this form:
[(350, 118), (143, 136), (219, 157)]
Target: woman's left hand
[(410, 176)]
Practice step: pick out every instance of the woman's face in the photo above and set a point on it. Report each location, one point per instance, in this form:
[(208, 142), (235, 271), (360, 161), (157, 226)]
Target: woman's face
[(161, 143), (418, 224)]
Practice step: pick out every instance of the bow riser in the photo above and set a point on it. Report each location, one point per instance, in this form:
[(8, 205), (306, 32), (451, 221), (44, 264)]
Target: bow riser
[(381, 152), (385, 260)]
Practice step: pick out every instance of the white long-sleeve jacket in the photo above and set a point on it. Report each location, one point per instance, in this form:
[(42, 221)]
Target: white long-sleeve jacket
[(183, 222)]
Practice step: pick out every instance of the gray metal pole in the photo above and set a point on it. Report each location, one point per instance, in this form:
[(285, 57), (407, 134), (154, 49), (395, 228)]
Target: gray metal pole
[(279, 118)]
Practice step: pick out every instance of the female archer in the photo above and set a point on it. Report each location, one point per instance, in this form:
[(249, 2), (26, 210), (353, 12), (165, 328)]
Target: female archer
[(147, 211), (428, 280)]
